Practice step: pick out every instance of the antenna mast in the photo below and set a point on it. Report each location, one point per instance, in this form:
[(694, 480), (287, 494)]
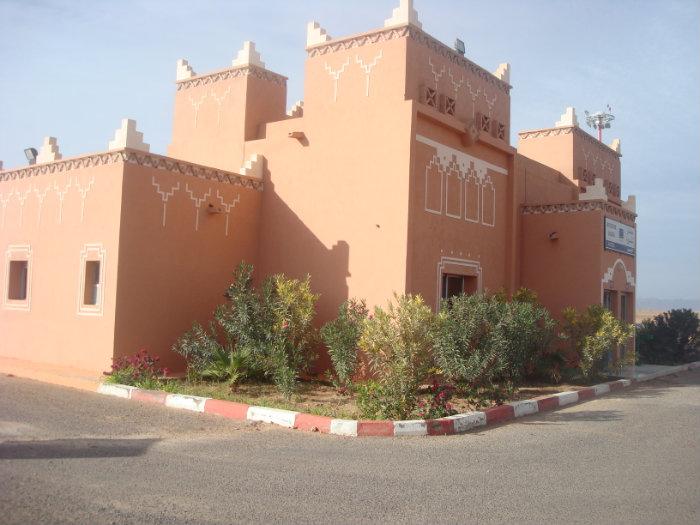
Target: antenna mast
[(600, 120)]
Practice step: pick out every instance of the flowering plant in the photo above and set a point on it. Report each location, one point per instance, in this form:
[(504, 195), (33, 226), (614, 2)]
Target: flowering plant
[(438, 402), (140, 369)]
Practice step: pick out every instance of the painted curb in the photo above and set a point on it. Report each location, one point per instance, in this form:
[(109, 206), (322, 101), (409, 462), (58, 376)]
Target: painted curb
[(457, 424)]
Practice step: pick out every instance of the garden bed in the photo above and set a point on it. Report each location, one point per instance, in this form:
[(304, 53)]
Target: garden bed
[(322, 399)]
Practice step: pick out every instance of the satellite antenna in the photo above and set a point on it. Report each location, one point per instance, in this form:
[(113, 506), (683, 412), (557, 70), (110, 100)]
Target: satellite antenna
[(460, 47), (600, 120)]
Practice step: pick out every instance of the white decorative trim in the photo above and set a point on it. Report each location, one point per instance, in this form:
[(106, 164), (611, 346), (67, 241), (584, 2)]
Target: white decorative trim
[(455, 85), (4, 201), (164, 195), (469, 167), (11, 253), (367, 68), (471, 175), (61, 197), (198, 201), (183, 70), (315, 34), (137, 158), (594, 192), (83, 190), (446, 154), (474, 265), (219, 102), (474, 95), (568, 118), (297, 110), (128, 137), (40, 197), (48, 151), (92, 252), (248, 56), (196, 105), (453, 171), (490, 103), (434, 163), (610, 272), (503, 72), (404, 14), (436, 76), (335, 75), (488, 182), (228, 206), (22, 198)]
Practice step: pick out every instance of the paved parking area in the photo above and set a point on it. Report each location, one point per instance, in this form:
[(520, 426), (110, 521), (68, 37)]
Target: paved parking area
[(68, 456)]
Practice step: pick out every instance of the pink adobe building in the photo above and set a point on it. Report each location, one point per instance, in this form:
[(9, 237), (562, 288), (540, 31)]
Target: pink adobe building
[(395, 174)]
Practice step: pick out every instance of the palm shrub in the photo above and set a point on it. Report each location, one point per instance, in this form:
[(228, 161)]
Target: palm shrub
[(397, 343), (590, 336), (670, 338), (341, 336), (266, 333)]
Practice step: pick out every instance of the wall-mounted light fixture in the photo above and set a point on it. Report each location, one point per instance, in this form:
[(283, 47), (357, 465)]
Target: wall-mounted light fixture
[(553, 236)]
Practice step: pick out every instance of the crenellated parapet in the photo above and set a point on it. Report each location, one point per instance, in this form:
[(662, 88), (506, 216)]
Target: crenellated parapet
[(138, 158)]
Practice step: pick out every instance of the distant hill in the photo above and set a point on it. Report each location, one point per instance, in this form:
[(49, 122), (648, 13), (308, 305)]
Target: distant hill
[(653, 303)]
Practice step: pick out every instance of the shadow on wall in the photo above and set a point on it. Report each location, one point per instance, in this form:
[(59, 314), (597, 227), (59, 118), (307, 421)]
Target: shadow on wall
[(288, 246)]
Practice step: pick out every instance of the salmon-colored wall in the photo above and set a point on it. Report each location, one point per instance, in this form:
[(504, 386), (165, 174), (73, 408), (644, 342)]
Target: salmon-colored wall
[(215, 113), (459, 216), (58, 211), (336, 199), (176, 258), (564, 271), (540, 184)]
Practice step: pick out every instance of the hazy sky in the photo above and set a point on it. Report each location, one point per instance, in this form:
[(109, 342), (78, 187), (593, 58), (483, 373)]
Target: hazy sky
[(73, 69)]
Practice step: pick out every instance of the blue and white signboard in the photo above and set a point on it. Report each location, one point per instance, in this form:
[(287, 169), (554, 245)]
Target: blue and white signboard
[(620, 237)]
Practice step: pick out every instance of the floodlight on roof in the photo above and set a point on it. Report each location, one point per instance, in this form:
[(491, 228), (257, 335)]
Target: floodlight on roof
[(600, 120), (460, 47), (31, 154)]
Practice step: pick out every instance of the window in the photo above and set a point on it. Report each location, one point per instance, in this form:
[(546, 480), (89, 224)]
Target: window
[(91, 290), (501, 133), (91, 280), (610, 300), (431, 97), (485, 123), (18, 280), (453, 285), (450, 106), (625, 314)]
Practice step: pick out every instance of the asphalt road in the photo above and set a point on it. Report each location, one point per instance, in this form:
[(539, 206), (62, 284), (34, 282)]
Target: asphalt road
[(74, 457)]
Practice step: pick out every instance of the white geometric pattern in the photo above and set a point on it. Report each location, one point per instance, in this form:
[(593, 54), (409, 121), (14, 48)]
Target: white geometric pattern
[(5, 200), (164, 195), (61, 194), (367, 68), (83, 190), (335, 75), (41, 195), (22, 197), (228, 206), (468, 176), (198, 201)]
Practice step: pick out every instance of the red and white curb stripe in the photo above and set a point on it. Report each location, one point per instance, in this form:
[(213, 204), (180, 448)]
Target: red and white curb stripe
[(456, 424)]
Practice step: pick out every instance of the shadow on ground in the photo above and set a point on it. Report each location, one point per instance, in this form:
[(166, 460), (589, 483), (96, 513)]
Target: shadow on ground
[(75, 448)]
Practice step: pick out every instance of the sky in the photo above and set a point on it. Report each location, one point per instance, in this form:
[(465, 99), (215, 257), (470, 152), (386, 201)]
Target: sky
[(74, 68)]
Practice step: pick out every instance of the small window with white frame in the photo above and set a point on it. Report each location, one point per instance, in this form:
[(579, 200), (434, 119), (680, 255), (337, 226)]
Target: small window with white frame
[(18, 271), (91, 280)]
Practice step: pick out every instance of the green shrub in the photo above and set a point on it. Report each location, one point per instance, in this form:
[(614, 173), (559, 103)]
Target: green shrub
[(342, 336), (482, 340), (670, 338), (397, 343), (256, 334), (590, 336)]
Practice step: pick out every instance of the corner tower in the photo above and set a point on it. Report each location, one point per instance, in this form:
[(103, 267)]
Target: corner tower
[(215, 113)]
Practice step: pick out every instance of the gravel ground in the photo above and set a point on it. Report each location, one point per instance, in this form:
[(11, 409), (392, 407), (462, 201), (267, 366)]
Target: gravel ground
[(68, 456)]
